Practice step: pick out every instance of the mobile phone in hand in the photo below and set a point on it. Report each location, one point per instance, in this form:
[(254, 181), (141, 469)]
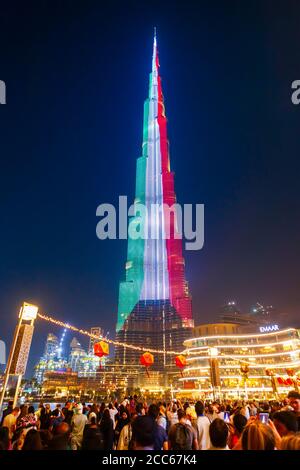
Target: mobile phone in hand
[(264, 417)]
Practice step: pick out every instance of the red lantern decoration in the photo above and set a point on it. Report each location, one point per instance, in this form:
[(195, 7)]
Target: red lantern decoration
[(147, 360), (101, 349), (181, 362), (281, 381), (289, 382)]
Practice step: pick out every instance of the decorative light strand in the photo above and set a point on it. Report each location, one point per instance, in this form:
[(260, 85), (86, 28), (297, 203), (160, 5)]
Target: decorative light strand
[(115, 343)]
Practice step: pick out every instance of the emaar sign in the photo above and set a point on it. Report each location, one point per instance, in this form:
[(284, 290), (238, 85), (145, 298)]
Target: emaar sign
[(269, 328)]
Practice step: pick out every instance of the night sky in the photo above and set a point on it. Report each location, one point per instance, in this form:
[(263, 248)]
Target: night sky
[(77, 75)]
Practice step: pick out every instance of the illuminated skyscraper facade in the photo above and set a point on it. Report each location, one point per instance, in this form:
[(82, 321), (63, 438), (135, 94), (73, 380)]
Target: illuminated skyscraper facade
[(155, 309)]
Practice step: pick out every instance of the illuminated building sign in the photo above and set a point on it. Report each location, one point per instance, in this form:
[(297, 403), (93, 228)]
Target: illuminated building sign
[(266, 329)]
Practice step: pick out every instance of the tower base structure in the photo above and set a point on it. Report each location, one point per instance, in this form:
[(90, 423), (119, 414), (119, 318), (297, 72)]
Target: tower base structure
[(153, 324)]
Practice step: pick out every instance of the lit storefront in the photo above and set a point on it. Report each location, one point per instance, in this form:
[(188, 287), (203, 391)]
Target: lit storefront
[(260, 365)]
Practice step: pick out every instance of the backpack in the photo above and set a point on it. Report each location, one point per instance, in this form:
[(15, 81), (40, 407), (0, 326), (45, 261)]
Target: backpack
[(183, 437)]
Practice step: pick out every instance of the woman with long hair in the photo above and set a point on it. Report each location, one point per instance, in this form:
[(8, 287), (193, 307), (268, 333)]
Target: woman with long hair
[(258, 436), (123, 420), (291, 442)]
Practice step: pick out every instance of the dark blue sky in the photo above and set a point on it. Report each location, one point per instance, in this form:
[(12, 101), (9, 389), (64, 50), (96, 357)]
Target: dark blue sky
[(76, 76)]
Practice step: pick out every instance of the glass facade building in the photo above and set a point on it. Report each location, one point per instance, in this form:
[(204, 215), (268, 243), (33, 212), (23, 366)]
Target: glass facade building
[(262, 365)]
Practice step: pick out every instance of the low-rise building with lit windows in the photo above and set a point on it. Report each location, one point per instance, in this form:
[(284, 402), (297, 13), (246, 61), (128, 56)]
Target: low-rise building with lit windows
[(223, 363)]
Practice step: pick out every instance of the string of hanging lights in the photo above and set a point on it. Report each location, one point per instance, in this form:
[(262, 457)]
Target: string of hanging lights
[(108, 340)]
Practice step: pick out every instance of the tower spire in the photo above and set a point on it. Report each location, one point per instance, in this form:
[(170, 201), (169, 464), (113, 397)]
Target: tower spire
[(155, 63)]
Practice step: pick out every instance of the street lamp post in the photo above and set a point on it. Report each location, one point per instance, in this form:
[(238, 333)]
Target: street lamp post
[(20, 347)]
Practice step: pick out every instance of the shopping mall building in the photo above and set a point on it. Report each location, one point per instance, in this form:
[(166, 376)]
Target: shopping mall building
[(224, 361)]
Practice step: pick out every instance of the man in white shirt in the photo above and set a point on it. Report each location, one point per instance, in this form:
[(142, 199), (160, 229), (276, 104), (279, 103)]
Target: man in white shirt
[(10, 421), (203, 424), (78, 423)]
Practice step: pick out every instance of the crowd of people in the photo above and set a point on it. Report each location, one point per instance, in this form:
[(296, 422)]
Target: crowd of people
[(135, 424)]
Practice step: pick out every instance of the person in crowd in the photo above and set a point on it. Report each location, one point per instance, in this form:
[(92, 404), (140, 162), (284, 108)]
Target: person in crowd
[(211, 412), (291, 442), (32, 440), (7, 410), (5, 444), (203, 424), (18, 439), (275, 406), (160, 435), (286, 405), (45, 417), (143, 433), (162, 418), (245, 410), (191, 417), (294, 400), (172, 415), (221, 411), (94, 411), (59, 408), (132, 404), (257, 436), (285, 422), (38, 413), (218, 433), (107, 430), (239, 423), (23, 413), (125, 439), (139, 409), (46, 437), (55, 419), (10, 421), (113, 411), (253, 409), (68, 412), (182, 436), (123, 420), (61, 437), (29, 421), (78, 423), (85, 408), (92, 438), (100, 412), (126, 401)]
